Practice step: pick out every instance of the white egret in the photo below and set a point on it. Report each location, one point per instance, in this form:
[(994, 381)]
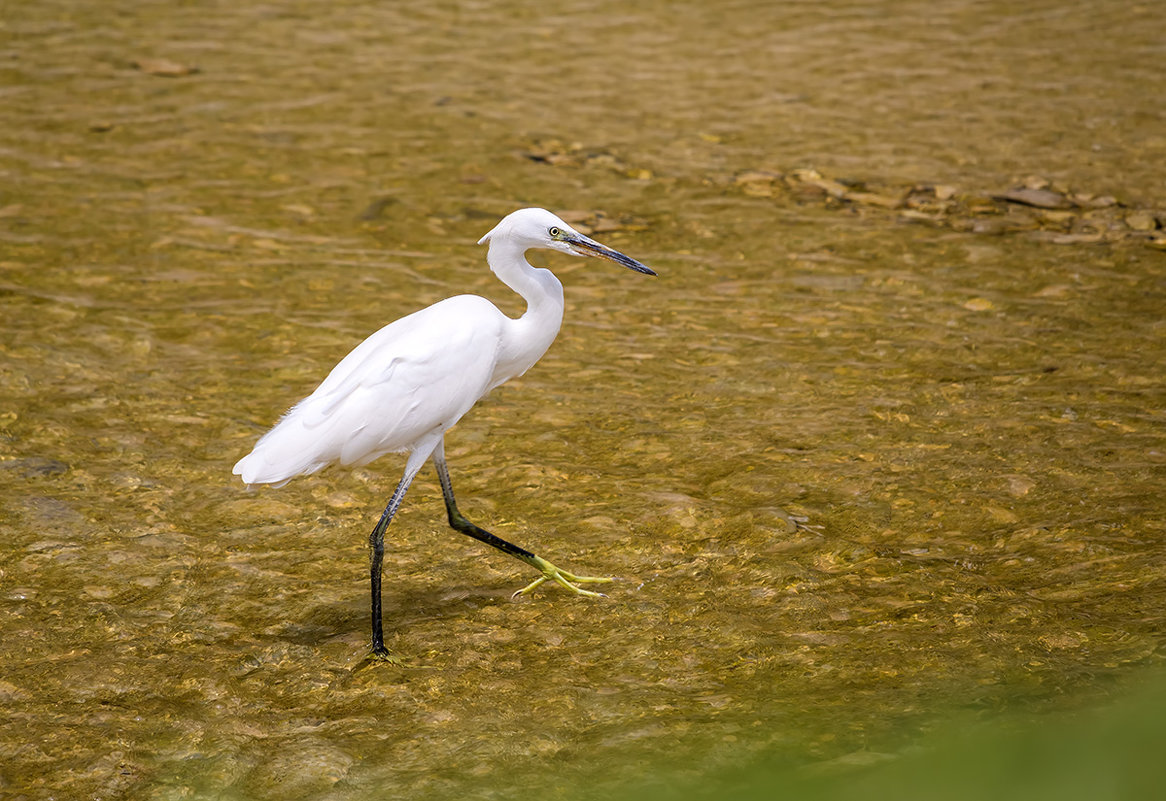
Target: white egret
[(402, 388)]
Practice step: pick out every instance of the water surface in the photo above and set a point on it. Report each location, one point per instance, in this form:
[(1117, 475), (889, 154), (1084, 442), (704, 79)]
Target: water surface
[(205, 205)]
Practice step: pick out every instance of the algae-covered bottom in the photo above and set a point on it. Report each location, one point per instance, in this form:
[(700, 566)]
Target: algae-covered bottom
[(205, 206)]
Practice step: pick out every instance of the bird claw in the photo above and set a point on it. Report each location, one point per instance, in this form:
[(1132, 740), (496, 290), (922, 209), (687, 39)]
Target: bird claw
[(382, 655), (563, 578)]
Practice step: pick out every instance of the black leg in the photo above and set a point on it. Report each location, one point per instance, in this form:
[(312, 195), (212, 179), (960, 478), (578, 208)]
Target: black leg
[(459, 523), (376, 544)]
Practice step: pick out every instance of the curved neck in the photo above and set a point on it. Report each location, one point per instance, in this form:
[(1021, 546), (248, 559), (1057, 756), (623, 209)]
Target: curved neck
[(530, 335)]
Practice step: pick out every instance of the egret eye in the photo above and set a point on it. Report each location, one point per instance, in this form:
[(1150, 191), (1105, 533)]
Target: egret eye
[(555, 233)]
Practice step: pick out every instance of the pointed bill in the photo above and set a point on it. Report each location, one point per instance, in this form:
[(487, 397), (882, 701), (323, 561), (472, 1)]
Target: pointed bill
[(586, 246)]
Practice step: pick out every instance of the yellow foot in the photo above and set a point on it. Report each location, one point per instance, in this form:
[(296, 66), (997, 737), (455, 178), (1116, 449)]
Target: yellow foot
[(562, 577)]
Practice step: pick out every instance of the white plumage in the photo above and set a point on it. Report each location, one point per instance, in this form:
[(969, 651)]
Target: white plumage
[(397, 390)]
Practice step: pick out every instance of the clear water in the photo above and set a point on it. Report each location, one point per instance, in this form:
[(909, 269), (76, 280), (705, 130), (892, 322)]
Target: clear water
[(970, 416)]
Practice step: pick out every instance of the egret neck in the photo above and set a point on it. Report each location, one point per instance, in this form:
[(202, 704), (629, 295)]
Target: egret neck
[(528, 337)]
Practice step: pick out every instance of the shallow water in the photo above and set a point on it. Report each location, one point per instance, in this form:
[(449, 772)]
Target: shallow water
[(205, 206)]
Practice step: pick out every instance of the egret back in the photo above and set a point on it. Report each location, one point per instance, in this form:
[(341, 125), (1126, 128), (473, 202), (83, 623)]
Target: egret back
[(399, 390)]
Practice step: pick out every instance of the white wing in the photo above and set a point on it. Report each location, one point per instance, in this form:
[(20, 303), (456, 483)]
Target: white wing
[(405, 384)]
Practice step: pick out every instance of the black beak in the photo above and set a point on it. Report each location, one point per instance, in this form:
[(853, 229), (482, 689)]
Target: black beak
[(585, 246)]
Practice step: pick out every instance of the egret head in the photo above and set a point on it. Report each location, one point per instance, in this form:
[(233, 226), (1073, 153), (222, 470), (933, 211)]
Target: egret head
[(538, 228)]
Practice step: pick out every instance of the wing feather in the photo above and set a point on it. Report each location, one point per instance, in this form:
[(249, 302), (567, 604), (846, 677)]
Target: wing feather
[(413, 377)]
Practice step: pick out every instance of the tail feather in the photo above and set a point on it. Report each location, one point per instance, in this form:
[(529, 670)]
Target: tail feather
[(255, 470), (283, 453)]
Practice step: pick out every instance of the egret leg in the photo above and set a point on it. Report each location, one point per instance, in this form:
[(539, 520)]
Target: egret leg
[(376, 544), (459, 523)]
